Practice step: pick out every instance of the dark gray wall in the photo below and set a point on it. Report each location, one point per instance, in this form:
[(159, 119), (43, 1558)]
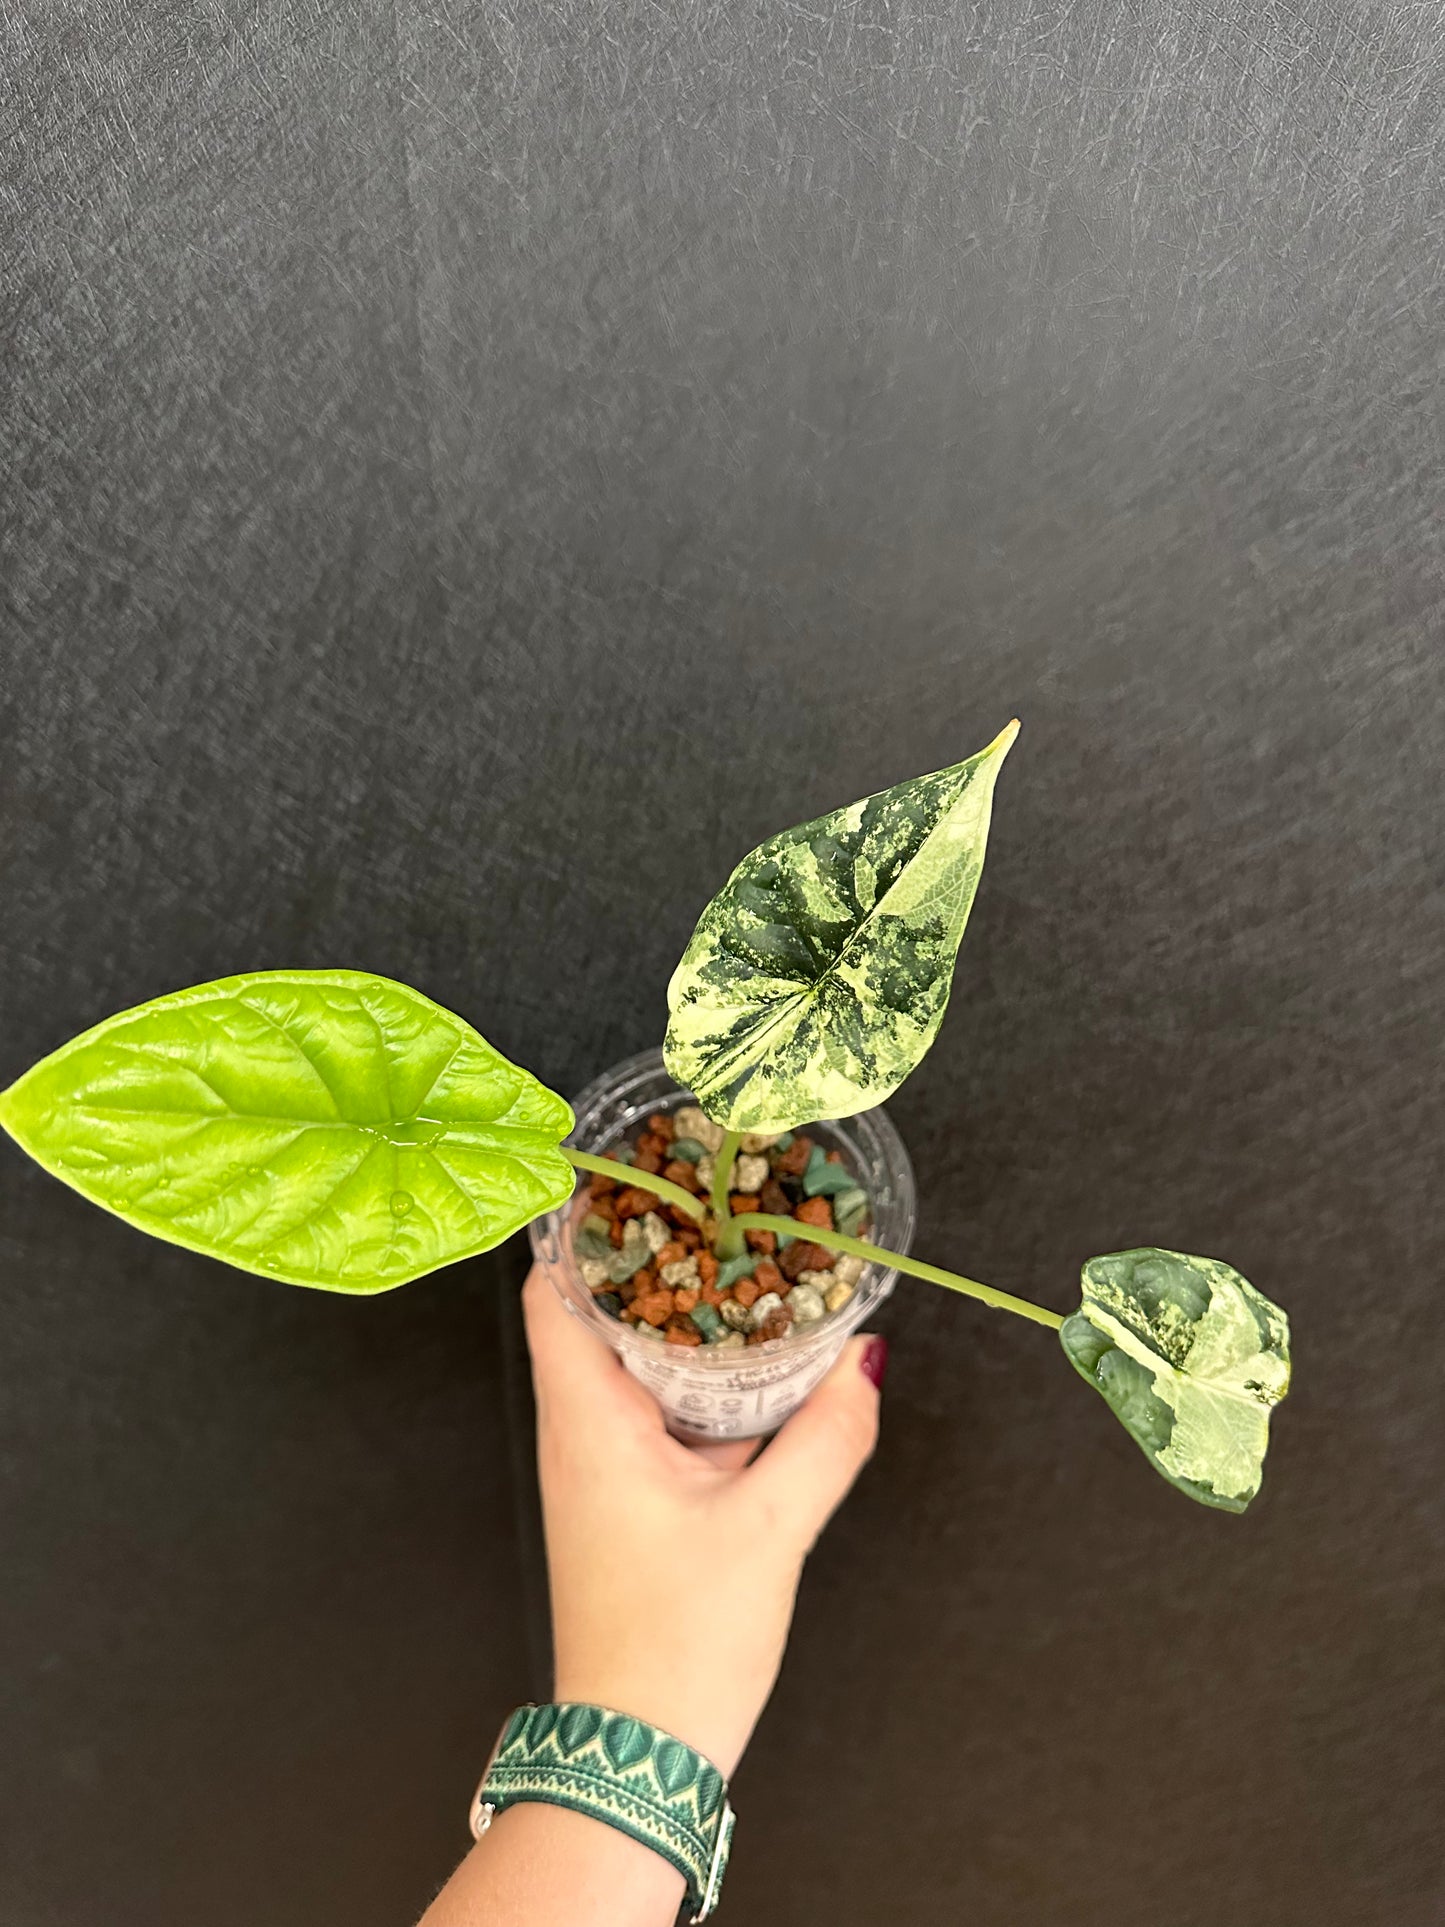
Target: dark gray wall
[(450, 451)]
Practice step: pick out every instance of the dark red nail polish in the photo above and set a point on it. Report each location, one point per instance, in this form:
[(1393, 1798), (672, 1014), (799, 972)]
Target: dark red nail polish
[(875, 1360)]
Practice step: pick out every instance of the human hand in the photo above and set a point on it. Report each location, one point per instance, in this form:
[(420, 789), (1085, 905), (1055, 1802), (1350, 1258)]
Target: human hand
[(654, 1546)]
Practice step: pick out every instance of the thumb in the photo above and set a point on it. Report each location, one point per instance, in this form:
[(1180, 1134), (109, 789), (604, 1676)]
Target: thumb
[(809, 1468)]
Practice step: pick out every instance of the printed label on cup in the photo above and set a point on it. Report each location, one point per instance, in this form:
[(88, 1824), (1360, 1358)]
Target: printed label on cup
[(755, 1398)]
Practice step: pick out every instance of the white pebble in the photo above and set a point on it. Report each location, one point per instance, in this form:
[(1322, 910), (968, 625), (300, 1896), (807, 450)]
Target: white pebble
[(750, 1175), (764, 1309), (839, 1296), (848, 1269), (755, 1141), (805, 1302), (690, 1122), (734, 1314), (655, 1232), (821, 1281), (734, 1342), (594, 1273), (682, 1274)]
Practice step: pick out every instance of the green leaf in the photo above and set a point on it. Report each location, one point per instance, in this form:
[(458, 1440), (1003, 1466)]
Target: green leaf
[(1190, 1359), (818, 976), (325, 1127)]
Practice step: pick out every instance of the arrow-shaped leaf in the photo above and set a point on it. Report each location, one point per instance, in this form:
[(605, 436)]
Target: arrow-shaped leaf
[(1190, 1359), (818, 976), (324, 1127)]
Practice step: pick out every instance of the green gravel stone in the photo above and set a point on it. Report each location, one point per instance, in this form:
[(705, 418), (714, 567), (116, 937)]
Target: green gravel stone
[(591, 1240), (850, 1208), (626, 1263), (621, 1154), (828, 1180), (686, 1148), (706, 1319), (782, 1144), (732, 1269)]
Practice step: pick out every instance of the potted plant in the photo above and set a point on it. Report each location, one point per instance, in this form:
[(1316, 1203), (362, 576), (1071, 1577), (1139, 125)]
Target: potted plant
[(724, 1213)]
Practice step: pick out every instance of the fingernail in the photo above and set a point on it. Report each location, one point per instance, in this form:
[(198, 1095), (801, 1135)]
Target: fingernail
[(875, 1360)]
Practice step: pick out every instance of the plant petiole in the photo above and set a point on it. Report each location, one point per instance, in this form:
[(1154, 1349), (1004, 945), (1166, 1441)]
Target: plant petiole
[(915, 1267), (644, 1180)]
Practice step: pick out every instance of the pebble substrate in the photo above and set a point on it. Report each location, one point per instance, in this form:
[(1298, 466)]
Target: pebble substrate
[(646, 1261)]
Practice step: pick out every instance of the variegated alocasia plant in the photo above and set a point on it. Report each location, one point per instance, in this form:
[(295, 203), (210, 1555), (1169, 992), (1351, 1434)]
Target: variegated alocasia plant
[(335, 1129)]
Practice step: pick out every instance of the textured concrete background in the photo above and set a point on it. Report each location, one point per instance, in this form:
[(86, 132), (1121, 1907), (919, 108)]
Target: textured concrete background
[(449, 451)]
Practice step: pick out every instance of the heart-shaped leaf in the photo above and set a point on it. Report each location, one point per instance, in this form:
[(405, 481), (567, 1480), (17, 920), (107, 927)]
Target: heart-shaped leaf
[(1191, 1359), (675, 1765), (625, 1740), (325, 1127), (709, 1793), (577, 1726), (818, 976)]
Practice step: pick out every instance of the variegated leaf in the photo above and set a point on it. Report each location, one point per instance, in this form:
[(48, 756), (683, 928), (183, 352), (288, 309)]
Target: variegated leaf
[(325, 1127), (1190, 1359), (818, 976)]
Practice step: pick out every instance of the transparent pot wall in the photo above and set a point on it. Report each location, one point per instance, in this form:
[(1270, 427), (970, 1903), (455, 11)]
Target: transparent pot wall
[(707, 1394)]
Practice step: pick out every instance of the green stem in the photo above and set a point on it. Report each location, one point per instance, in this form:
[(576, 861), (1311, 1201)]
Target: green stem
[(915, 1267), (727, 1242), (645, 1180), (721, 1172)]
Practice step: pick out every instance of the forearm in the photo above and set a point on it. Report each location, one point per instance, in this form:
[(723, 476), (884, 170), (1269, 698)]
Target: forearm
[(543, 1866)]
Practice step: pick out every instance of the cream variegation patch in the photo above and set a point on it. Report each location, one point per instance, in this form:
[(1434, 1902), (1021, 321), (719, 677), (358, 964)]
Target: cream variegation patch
[(1191, 1359), (818, 976)]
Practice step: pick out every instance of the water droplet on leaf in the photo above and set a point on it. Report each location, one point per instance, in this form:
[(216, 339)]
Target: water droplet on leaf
[(401, 1203)]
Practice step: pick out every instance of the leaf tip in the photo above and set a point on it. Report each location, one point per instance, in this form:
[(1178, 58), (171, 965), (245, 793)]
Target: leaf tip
[(8, 1109)]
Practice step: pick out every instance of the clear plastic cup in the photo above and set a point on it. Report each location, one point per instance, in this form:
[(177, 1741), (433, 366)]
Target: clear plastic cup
[(706, 1393)]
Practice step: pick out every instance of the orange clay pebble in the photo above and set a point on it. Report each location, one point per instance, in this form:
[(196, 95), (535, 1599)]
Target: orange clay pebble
[(742, 1201), (682, 1335), (767, 1277), (656, 1307), (684, 1300), (798, 1258), (605, 1206), (614, 1232), (816, 1211), (670, 1253), (793, 1162), (710, 1295), (747, 1291), (689, 1237), (634, 1202), (647, 1161), (764, 1241), (599, 1185), (706, 1267), (653, 1142), (661, 1125), (683, 1173), (835, 1157)]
